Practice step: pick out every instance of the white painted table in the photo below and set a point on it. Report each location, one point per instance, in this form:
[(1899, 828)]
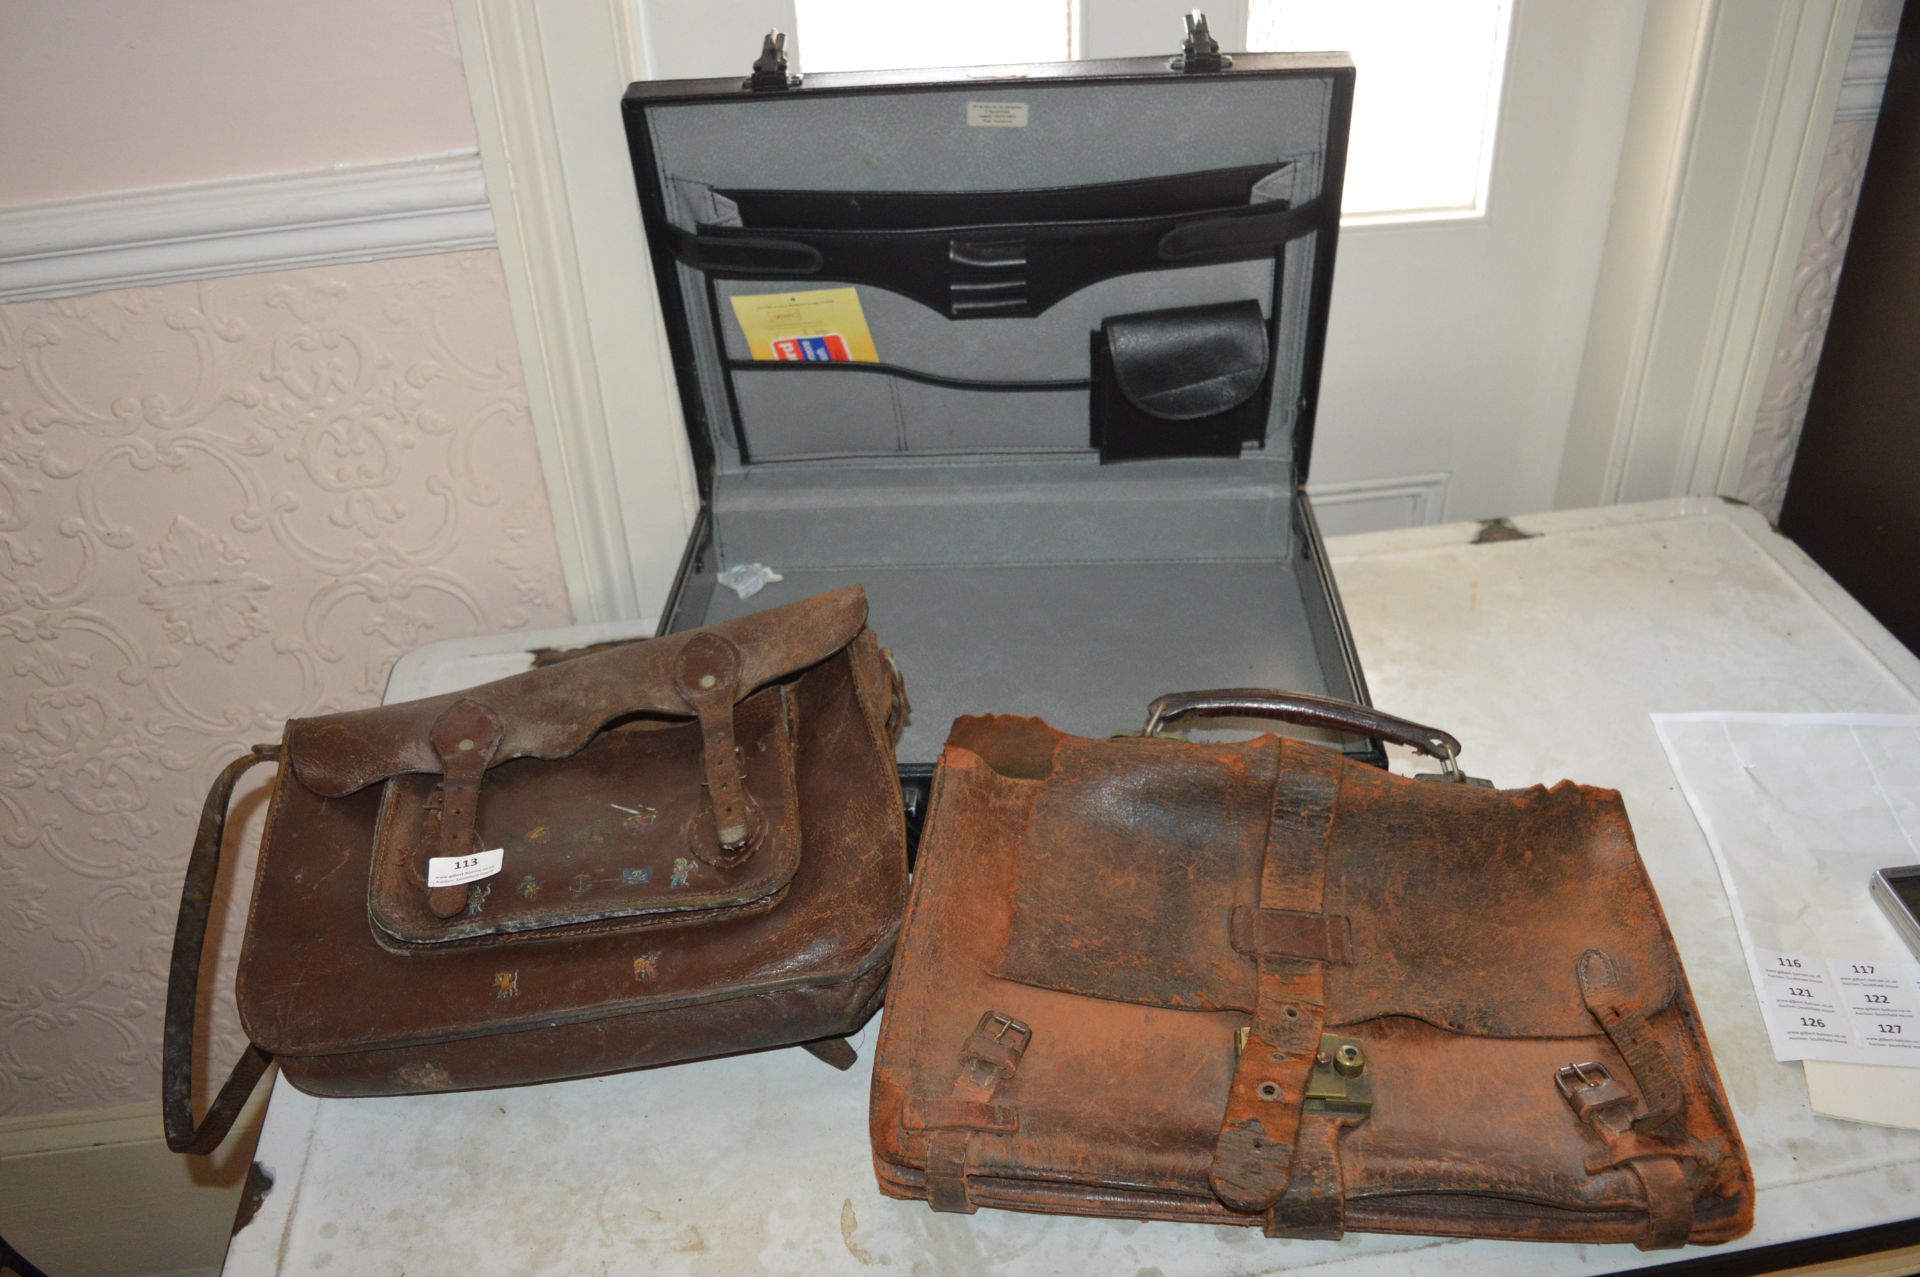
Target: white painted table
[(1544, 656)]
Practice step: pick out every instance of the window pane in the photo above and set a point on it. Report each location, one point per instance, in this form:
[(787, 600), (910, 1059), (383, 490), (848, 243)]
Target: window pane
[(880, 35), (1426, 100)]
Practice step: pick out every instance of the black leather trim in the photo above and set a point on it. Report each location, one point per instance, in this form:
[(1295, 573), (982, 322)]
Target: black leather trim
[(1171, 193), (997, 270)]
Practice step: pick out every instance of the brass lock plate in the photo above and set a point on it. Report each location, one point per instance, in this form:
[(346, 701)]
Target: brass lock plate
[(1339, 1082)]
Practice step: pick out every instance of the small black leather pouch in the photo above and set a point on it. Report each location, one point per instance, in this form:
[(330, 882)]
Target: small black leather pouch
[(1180, 383)]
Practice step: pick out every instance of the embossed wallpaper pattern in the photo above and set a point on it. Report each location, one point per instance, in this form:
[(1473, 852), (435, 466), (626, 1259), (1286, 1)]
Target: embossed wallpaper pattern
[(221, 504), (1816, 278)]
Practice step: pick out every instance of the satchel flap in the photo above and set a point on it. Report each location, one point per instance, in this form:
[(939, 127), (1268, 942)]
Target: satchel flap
[(553, 712), (1444, 903), (1182, 365), (618, 834)]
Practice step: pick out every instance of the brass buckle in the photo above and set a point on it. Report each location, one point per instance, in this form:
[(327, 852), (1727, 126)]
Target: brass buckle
[(994, 1028)]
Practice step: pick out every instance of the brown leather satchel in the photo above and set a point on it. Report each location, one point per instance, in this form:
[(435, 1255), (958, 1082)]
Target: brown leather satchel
[(701, 848), (1259, 983)]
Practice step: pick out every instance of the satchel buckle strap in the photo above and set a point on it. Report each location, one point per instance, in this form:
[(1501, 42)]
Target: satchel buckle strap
[(1254, 1153), (465, 736), (988, 1058), (1609, 999), (1607, 1104), (707, 676)]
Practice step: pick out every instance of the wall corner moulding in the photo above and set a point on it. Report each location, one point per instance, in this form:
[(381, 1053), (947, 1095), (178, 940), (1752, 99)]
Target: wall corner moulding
[(1733, 108), (1866, 76), (244, 226)]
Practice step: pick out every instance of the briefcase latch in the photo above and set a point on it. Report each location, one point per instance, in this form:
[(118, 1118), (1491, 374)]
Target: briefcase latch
[(1199, 51), (1339, 1082), (770, 68)]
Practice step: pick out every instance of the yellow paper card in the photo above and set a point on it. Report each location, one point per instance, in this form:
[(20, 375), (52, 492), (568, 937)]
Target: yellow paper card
[(821, 325)]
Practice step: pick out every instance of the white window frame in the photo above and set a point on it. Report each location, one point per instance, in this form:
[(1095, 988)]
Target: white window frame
[(1730, 118)]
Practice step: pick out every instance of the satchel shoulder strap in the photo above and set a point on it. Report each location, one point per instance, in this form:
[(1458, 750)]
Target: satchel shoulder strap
[(183, 983)]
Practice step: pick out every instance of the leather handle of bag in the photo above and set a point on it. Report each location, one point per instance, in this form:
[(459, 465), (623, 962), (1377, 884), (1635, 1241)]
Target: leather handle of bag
[(183, 983), (1308, 711)]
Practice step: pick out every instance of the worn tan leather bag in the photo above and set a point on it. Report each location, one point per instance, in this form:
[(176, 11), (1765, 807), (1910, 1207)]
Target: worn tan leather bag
[(702, 851), (1258, 983)]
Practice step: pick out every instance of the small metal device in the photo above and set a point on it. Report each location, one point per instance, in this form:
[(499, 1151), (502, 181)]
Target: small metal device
[(1339, 1082), (1897, 892), (1200, 51), (770, 68)]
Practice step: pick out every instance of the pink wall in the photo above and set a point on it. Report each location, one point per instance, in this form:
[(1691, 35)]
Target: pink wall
[(222, 503), (109, 95)]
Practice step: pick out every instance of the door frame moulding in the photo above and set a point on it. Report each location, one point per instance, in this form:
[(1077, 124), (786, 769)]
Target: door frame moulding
[(1732, 109), (545, 80)]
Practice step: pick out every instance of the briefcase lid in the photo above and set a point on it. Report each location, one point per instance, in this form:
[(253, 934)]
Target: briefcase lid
[(910, 268)]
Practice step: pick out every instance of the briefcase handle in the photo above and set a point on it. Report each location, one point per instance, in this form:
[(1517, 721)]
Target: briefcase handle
[(183, 984), (1308, 711)]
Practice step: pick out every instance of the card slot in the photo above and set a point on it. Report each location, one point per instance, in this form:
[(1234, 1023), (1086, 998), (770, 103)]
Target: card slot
[(915, 339), (909, 374), (1164, 194), (803, 412)]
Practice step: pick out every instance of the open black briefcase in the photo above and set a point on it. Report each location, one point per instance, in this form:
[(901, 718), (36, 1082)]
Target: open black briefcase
[(1061, 437)]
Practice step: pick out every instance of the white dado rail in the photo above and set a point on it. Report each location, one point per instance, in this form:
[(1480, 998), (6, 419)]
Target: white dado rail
[(245, 226)]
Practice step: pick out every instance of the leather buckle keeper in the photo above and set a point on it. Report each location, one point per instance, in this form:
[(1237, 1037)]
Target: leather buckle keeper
[(1290, 933)]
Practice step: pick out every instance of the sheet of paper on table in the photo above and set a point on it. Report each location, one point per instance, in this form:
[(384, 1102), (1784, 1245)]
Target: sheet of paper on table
[(1799, 810)]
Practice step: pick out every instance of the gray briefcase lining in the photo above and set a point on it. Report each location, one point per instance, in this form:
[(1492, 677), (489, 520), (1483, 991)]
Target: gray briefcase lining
[(1005, 564)]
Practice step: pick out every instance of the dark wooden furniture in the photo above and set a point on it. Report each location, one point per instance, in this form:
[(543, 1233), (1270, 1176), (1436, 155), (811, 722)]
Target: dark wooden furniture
[(1853, 502)]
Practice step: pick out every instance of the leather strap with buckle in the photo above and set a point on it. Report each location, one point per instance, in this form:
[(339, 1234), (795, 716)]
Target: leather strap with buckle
[(1633, 1122), (1253, 1156), (987, 1060)]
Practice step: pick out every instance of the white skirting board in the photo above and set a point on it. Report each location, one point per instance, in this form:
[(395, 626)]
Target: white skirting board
[(100, 1195)]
